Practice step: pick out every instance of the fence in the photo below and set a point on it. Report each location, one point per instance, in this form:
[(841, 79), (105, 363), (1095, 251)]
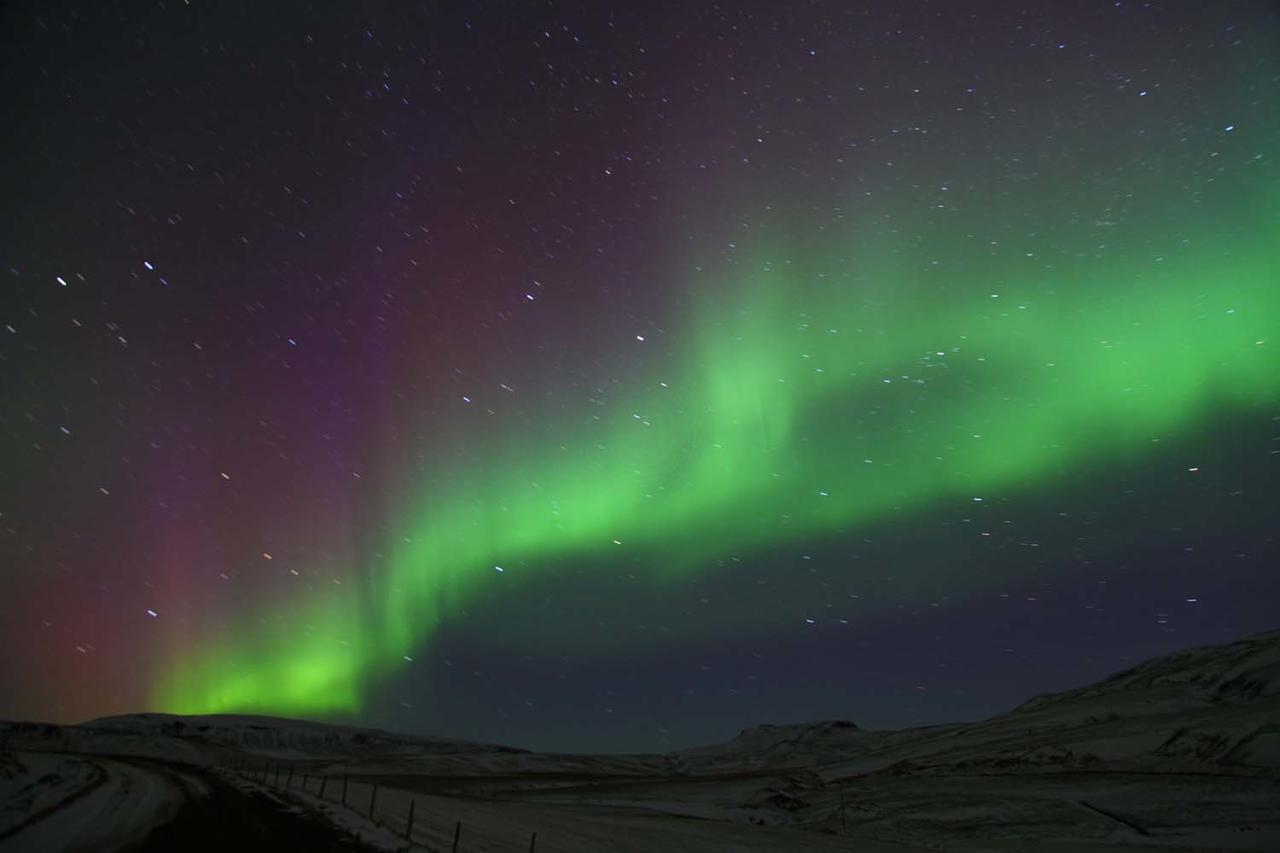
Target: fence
[(392, 809)]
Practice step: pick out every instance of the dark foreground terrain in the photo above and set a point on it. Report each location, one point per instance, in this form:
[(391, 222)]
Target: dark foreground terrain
[(148, 805), (1181, 753), (227, 819)]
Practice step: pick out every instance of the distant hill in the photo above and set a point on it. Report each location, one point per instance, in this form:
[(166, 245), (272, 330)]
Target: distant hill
[(262, 732), (1181, 752), (1242, 671)]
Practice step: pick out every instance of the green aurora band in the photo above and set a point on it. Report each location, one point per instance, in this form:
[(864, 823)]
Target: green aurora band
[(814, 397)]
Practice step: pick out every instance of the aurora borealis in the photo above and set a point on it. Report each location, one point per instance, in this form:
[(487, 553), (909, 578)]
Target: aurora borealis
[(317, 376), (766, 435)]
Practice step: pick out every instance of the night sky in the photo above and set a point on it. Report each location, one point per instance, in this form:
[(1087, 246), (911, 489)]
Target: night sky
[(614, 376)]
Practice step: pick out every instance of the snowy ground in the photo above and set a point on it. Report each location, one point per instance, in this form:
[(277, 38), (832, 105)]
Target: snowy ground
[(502, 826), (1179, 754), (66, 802)]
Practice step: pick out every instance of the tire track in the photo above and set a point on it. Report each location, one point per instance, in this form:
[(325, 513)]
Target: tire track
[(95, 782)]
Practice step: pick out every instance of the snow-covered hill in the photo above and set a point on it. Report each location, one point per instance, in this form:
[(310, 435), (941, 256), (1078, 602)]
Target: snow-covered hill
[(279, 734), (1238, 672), (1180, 752)]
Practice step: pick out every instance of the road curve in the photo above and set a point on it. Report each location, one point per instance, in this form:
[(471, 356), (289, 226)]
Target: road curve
[(139, 805)]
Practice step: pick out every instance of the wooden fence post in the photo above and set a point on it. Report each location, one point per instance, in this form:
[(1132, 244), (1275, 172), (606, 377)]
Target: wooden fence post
[(533, 842), (408, 833), (457, 833), (373, 798), (324, 780), (844, 829), (304, 781), (344, 789), (277, 775)]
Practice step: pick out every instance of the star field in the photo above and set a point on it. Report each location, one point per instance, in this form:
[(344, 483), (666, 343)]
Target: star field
[(615, 377)]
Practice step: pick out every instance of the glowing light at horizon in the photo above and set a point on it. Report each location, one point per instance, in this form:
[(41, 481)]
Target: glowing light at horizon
[(810, 393)]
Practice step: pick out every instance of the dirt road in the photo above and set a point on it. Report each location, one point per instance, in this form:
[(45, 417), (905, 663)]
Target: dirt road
[(148, 806)]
